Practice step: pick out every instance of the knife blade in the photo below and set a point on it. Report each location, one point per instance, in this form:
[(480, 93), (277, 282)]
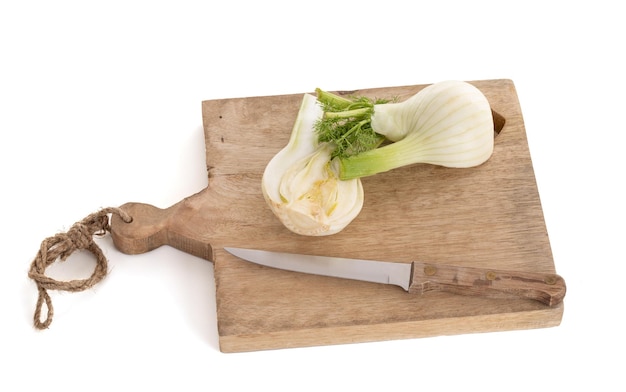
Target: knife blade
[(417, 277)]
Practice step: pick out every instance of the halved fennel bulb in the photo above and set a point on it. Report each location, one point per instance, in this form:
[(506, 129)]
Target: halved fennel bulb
[(301, 187)]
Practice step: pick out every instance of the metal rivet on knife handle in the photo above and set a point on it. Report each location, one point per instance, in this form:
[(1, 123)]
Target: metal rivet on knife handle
[(550, 279), (490, 275), (430, 270)]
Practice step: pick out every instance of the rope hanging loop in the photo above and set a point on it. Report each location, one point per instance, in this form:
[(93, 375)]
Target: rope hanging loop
[(79, 237)]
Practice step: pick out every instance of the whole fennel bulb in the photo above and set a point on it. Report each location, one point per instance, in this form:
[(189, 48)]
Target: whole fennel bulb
[(447, 123)]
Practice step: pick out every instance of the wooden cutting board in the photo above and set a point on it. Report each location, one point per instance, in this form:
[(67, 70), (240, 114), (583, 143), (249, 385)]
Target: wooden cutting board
[(489, 216)]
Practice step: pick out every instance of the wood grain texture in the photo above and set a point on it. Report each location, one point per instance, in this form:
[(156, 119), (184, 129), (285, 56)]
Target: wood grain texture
[(489, 216)]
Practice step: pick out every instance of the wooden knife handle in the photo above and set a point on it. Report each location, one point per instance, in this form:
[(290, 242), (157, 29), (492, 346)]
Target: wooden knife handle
[(546, 288)]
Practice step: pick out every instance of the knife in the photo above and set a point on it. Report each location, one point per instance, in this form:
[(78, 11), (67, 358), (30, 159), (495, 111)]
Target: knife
[(417, 277)]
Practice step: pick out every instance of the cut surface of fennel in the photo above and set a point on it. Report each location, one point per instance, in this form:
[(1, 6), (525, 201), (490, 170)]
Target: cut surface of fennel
[(301, 187)]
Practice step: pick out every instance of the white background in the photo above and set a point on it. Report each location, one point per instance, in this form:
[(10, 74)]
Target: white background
[(100, 105)]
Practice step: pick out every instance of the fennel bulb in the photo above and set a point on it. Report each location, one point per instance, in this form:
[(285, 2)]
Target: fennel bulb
[(447, 123), (300, 186)]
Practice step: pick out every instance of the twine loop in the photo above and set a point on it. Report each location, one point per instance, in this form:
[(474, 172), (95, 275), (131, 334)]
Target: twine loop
[(79, 237)]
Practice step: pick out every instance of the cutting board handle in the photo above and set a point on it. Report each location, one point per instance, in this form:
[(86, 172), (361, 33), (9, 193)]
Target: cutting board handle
[(152, 227)]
